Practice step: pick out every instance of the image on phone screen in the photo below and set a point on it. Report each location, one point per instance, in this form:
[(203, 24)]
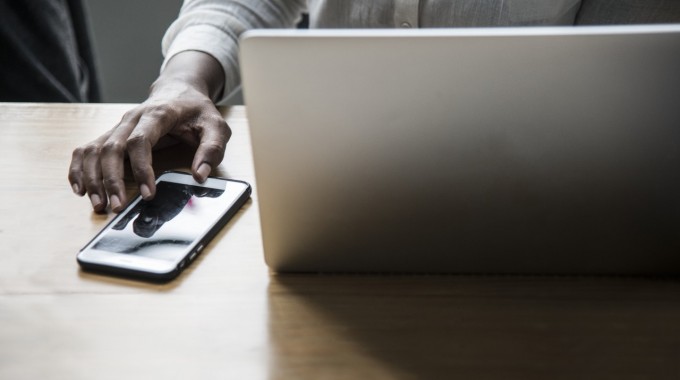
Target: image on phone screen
[(165, 226)]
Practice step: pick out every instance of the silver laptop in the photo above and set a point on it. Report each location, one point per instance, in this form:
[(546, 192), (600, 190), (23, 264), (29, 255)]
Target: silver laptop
[(524, 150)]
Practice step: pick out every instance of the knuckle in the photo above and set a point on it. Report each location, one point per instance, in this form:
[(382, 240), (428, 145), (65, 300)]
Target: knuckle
[(91, 149), (139, 170), (227, 131), (92, 185), (128, 117), (163, 112), (137, 140), (113, 148), (78, 152), (220, 125), (214, 148), (111, 184), (74, 175), (210, 118)]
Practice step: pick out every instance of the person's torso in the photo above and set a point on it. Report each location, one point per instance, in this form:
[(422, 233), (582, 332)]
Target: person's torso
[(440, 13)]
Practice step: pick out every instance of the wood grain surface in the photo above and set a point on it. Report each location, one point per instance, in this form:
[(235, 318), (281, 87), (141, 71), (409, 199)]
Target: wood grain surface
[(227, 317)]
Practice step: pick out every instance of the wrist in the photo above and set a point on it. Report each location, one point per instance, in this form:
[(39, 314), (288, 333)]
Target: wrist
[(192, 69), (167, 85)]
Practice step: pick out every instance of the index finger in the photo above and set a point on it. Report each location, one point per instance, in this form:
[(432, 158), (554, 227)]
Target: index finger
[(150, 127), (215, 133)]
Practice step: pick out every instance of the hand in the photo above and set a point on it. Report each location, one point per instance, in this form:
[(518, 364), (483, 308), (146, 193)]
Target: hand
[(179, 106)]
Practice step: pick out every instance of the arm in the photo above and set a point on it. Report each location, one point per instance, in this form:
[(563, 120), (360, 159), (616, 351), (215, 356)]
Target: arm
[(214, 26), (181, 100)]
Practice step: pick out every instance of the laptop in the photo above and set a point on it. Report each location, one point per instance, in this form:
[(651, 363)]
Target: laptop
[(516, 151)]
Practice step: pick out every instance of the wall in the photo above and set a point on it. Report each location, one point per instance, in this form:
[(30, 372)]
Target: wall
[(127, 41)]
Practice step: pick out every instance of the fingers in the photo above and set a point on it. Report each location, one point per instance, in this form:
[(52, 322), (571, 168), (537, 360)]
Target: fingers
[(85, 174), (98, 167), (112, 161), (92, 176), (215, 134), (150, 128), (112, 158), (75, 172)]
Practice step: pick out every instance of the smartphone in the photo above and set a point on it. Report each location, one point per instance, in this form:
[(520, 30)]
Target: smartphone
[(157, 239)]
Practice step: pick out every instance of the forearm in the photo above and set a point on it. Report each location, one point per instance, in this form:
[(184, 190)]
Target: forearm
[(214, 27)]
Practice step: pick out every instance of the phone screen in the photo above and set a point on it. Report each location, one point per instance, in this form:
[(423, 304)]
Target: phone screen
[(164, 227), (155, 236)]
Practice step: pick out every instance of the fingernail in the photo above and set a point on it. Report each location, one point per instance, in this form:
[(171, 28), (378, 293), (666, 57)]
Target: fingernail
[(76, 189), (204, 170), (96, 201), (115, 202), (144, 189)]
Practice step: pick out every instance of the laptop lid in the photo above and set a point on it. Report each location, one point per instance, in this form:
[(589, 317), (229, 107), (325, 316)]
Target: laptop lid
[(523, 150)]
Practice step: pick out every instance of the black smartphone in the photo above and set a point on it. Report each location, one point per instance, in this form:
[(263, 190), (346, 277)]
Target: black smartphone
[(157, 239)]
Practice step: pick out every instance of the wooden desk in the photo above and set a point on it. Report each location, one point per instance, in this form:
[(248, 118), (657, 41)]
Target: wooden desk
[(226, 317)]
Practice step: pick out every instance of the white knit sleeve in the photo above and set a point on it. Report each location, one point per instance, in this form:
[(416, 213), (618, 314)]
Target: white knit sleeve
[(214, 26)]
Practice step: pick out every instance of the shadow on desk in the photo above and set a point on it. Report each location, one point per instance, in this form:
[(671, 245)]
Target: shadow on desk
[(446, 327)]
